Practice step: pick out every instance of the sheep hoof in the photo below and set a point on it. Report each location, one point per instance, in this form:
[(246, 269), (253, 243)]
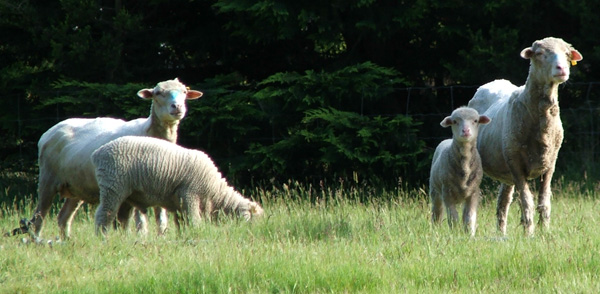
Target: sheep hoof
[(544, 223), (529, 230), (502, 227)]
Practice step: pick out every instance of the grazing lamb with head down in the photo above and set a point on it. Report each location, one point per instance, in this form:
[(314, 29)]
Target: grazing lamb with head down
[(523, 142), (456, 169), (148, 172), (65, 150)]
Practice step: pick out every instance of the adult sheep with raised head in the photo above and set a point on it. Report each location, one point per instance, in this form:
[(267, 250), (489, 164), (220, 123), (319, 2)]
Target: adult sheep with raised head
[(456, 169), (524, 140), (65, 165), (147, 172)]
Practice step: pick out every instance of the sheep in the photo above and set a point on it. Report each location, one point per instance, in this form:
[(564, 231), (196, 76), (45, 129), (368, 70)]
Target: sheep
[(65, 165), (456, 169), (147, 172), (527, 133)]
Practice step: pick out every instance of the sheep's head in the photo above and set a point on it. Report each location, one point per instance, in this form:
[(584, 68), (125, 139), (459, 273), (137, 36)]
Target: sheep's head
[(465, 123), (168, 99), (253, 210), (551, 59)]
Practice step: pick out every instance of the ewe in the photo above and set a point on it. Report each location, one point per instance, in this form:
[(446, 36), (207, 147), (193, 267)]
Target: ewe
[(65, 152), (456, 169), (147, 172), (523, 142)]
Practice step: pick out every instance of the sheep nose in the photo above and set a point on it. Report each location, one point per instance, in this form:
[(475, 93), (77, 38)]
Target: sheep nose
[(466, 132), (561, 70), (177, 107)]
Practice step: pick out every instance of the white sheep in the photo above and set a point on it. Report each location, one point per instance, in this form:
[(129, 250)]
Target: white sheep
[(456, 169), (65, 166), (523, 142), (148, 172)]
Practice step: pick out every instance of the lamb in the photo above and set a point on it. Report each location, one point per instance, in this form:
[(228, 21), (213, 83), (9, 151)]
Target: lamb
[(527, 133), (456, 169), (147, 172), (65, 166)]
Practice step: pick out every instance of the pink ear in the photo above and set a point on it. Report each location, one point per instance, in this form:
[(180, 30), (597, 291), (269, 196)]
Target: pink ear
[(145, 93), (484, 120), (193, 94), (527, 53), (575, 55), (446, 122)]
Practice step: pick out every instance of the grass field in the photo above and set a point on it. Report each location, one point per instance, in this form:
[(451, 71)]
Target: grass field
[(330, 245)]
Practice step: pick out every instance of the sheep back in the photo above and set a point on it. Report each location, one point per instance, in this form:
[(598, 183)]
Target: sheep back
[(490, 93), (65, 149)]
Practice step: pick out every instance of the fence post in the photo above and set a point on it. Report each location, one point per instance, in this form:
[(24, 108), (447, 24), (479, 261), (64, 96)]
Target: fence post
[(591, 136), (407, 99), (451, 98)]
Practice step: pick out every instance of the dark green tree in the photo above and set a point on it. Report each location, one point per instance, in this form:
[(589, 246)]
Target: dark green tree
[(293, 89)]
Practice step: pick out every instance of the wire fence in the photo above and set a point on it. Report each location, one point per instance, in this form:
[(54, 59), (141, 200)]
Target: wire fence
[(427, 105)]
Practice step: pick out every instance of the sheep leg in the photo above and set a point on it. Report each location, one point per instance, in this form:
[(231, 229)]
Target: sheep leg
[(123, 216), (45, 197), (544, 206), (437, 208), (192, 212), (452, 213), (107, 210), (177, 219), (505, 197), (527, 206), (141, 221), (161, 220), (66, 215), (189, 205), (470, 214)]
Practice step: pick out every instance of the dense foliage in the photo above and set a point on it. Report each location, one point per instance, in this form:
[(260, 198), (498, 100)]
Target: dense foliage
[(306, 90)]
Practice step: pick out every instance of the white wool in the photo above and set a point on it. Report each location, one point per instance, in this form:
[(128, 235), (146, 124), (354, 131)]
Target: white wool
[(65, 149), (456, 169), (149, 172), (524, 140)]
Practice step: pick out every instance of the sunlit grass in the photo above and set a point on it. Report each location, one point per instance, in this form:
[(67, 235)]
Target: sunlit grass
[(336, 242)]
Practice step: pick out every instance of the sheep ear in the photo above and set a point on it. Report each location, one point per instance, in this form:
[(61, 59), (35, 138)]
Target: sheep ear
[(527, 53), (146, 93), (575, 55), (193, 94), (446, 122), (484, 120)]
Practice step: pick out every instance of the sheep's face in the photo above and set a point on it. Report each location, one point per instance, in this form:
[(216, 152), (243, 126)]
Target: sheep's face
[(465, 124), (253, 210), (168, 99), (552, 58)]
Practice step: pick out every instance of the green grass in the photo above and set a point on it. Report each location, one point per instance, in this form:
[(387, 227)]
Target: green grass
[(330, 244)]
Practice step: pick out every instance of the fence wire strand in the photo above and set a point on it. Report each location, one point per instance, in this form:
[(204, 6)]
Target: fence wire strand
[(578, 113)]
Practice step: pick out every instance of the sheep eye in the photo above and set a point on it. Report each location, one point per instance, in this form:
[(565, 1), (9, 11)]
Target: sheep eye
[(454, 121)]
